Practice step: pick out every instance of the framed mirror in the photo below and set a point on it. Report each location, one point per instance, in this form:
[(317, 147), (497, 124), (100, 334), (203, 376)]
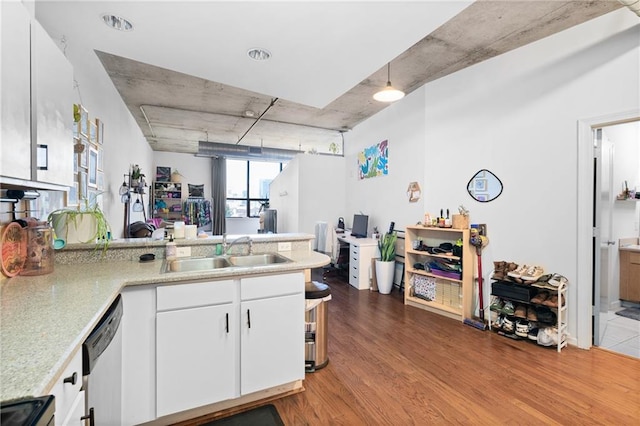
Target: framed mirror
[(484, 186)]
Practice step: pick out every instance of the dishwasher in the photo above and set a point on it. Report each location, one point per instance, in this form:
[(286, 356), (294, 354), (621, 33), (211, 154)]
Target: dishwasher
[(102, 369)]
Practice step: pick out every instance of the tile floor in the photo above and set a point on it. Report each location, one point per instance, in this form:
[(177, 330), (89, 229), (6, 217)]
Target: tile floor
[(619, 334)]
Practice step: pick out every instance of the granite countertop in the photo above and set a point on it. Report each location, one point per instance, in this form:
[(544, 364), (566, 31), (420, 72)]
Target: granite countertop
[(44, 319)]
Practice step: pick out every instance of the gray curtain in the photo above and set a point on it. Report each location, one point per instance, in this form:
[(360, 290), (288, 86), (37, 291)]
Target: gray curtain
[(218, 195)]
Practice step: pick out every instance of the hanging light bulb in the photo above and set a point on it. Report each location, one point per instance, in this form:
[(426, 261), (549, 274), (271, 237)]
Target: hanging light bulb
[(389, 93), (137, 206)]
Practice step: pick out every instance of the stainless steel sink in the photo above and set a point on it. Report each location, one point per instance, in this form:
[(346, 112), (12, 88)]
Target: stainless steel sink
[(191, 264), (258, 259), (195, 264)]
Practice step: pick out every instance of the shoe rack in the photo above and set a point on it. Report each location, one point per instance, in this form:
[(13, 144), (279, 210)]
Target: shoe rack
[(453, 292), (539, 297)]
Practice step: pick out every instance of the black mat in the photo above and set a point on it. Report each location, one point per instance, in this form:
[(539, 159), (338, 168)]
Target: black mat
[(267, 415), (633, 313)]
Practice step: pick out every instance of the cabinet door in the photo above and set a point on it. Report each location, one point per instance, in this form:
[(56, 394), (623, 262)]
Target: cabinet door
[(52, 84), (15, 149), (197, 357), (75, 414), (272, 342), (138, 354)]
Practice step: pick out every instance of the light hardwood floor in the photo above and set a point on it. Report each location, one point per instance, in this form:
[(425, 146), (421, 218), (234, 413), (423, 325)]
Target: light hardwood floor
[(396, 365)]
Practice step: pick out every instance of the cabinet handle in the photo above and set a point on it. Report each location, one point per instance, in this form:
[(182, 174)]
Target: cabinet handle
[(227, 322), (249, 318), (89, 417), (71, 379)]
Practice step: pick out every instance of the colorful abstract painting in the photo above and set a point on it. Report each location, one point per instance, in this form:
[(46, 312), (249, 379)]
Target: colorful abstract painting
[(373, 161)]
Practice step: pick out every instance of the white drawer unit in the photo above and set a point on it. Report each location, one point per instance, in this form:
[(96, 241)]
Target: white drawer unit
[(360, 256)]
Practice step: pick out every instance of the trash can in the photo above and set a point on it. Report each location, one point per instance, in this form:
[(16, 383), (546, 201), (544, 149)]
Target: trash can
[(316, 321)]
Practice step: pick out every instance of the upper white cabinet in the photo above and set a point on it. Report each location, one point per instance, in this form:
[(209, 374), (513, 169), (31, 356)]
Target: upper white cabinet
[(37, 103), (52, 95), (15, 118)]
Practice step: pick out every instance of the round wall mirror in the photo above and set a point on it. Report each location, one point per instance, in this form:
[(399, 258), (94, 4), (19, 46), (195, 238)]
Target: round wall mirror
[(484, 186)]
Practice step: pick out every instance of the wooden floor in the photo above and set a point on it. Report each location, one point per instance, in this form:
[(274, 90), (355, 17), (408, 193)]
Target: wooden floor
[(396, 365)]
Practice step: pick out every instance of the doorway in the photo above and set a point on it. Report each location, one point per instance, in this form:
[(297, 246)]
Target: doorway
[(597, 248), (616, 172)]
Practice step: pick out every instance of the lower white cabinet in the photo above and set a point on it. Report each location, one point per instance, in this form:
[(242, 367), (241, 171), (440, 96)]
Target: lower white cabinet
[(193, 344), (76, 412), (272, 312), (68, 391), (196, 347)]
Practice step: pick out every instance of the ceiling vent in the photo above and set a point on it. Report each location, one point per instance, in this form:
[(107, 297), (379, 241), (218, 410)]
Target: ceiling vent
[(215, 149)]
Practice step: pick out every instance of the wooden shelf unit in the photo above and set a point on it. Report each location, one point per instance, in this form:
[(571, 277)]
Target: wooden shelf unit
[(433, 237), (171, 193)]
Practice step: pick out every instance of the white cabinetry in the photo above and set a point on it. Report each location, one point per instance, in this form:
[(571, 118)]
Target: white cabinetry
[(37, 100), (52, 95), (68, 393), (15, 119), (272, 326), (197, 361), (138, 354), (360, 254), (193, 344)]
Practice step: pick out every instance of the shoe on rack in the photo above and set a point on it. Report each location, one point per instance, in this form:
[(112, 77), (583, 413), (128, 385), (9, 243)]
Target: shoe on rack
[(523, 328), (540, 297), (499, 269), (498, 323), (507, 325), (531, 314), (508, 308), (545, 337), (517, 273), (533, 333), (558, 279), (533, 273), (520, 311), (496, 304), (546, 315)]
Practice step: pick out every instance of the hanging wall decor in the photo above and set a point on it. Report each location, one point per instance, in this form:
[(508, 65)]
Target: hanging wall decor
[(373, 161)]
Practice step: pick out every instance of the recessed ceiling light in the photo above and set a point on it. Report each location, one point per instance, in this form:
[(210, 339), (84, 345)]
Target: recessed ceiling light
[(249, 113), (117, 22), (259, 54)]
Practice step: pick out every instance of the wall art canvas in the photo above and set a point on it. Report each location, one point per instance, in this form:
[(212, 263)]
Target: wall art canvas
[(373, 161)]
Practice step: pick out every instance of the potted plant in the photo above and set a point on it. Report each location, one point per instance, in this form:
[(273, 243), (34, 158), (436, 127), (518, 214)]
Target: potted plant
[(86, 224), (385, 266), (136, 176)]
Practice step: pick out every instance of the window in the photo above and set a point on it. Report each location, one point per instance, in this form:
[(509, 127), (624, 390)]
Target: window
[(248, 186)]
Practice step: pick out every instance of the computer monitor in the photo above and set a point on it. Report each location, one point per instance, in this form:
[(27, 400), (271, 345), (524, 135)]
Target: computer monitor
[(359, 226)]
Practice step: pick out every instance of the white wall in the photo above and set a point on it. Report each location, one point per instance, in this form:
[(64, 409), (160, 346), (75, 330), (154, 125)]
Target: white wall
[(124, 142), (309, 189), (384, 198), (515, 115)]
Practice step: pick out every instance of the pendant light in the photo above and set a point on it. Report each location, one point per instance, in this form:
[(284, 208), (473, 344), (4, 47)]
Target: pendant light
[(388, 94)]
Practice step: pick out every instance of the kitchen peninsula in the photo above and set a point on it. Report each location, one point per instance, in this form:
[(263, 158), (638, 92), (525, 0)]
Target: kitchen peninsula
[(45, 319)]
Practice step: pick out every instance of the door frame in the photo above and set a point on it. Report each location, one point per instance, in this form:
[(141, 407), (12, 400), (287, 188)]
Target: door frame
[(584, 215)]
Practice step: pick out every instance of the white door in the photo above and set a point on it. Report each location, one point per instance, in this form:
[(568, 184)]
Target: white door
[(597, 252), (197, 359), (272, 342)]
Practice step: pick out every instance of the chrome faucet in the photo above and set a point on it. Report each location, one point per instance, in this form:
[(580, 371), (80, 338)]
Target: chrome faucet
[(226, 247)]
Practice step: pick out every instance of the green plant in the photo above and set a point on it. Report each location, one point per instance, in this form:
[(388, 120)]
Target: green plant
[(136, 173), (387, 246), (61, 219)]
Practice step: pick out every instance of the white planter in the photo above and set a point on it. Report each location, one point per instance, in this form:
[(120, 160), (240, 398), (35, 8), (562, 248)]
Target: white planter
[(82, 230), (384, 275)]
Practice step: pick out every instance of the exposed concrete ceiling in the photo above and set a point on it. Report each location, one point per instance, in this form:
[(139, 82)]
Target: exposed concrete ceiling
[(184, 74)]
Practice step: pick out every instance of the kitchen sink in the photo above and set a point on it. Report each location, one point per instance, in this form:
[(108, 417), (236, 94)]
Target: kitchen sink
[(195, 264), (190, 264), (258, 259)]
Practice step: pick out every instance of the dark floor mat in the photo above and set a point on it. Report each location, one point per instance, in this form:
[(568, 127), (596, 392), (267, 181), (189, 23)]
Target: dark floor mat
[(266, 415), (633, 313)]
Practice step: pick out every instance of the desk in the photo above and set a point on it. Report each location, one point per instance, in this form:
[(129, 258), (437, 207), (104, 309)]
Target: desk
[(361, 251)]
